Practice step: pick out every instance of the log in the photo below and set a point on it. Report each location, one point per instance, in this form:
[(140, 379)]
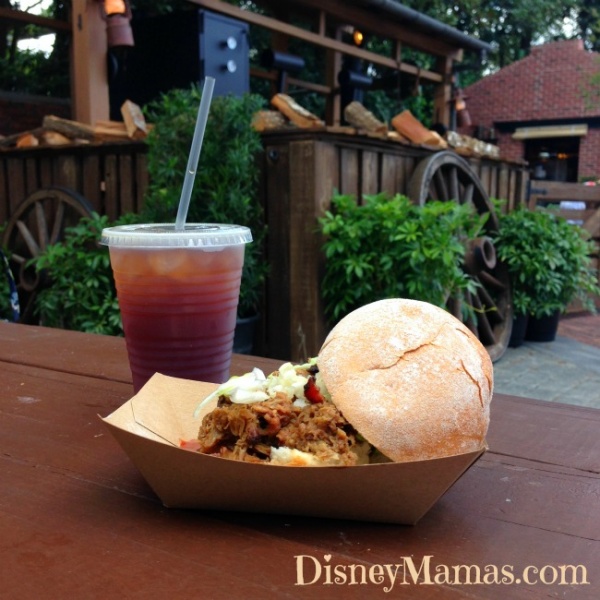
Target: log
[(264, 120), (27, 140), (72, 129), (361, 118), (110, 130), (410, 127), (11, 140), (53, 138), (295, 113), (135, 123)]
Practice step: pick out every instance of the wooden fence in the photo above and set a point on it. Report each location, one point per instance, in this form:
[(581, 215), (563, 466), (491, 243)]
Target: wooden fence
[(111, 176)]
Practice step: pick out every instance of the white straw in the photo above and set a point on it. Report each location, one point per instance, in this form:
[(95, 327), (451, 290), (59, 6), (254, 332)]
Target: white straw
[(192, 166)]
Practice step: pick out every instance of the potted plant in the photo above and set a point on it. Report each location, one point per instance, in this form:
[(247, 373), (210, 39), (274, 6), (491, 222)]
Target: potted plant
[(226, 184), (549, 261), (390, 247)]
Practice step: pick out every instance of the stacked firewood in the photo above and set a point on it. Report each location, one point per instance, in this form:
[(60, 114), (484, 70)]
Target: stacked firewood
[(56, 131), (404, 127)]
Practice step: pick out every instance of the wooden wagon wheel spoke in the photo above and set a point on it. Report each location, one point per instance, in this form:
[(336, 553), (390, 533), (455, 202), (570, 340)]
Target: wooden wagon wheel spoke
[(42, 225), (440, 186), (29, 239), (493, 312), (487, 312), (40, 220), (59, 219), (454, 185), (467, 197)]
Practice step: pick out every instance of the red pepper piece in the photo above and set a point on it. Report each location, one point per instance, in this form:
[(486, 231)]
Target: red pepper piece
[(312, 392)]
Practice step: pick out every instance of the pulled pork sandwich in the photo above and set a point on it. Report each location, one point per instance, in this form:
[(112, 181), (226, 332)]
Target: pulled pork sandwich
[(396, 380), (285, 418)]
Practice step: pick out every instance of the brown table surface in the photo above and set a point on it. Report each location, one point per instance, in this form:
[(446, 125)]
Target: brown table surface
[(78, 521)]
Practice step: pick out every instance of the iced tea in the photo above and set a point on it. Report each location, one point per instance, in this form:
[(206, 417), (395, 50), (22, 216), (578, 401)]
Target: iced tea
[(178, 306)]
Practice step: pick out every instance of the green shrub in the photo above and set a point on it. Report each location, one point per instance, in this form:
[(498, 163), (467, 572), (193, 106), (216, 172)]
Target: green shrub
[(82, 293), (390, 247), (548, 259)]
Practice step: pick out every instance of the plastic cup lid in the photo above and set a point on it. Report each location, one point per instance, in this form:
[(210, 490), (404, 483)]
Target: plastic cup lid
[(164, 235)]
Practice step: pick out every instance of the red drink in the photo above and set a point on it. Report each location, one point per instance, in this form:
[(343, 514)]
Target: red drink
[(178, 302)]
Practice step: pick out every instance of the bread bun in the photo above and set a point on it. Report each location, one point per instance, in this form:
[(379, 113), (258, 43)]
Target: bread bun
[(411, 378)]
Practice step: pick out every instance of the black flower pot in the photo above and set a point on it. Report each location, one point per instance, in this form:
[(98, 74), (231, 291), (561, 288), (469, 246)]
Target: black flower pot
[(542, 329), (243, 339), (519, 329)]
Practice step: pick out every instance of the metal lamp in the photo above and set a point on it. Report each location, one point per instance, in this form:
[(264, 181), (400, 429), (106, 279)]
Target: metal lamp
[(118, 15)]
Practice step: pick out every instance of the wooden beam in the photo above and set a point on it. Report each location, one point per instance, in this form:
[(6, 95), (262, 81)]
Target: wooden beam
[(88, 63), (22, 17), (374, 23), (314, 38)]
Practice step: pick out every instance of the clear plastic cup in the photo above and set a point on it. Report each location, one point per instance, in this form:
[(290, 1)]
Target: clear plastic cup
[(178, 293)]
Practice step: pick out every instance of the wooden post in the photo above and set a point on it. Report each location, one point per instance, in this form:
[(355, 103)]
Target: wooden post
[(443, 93), (89, 77)]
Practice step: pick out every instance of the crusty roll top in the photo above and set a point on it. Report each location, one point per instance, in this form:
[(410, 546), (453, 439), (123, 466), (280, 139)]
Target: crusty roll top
[(411, 378)]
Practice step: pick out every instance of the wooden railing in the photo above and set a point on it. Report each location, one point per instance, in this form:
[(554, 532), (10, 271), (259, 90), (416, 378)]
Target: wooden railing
[(577, 203)]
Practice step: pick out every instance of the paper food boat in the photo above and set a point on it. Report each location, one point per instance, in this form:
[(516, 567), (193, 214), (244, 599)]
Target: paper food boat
[(151, 425)]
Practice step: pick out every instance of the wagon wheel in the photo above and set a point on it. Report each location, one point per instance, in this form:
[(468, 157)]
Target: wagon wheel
[(446, 176), (39, 221)]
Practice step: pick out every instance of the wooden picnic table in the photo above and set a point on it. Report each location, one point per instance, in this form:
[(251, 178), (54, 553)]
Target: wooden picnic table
[(78, 521)]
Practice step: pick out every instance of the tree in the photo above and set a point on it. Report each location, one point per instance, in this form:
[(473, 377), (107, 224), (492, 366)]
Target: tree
[(515, 25), (587, 17)]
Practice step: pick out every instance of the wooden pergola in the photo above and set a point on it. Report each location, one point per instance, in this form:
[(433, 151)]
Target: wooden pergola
[(327, 21)]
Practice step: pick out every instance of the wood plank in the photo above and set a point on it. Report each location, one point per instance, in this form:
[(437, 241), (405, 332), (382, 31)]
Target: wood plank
[(276, 185), (67, 171), (126, 184), (349, 171), (370, 176), (110, 177), (503, 190), (389, 173), (91, 180), (76, 353), (409, 164), (485, 175), (552, 191), (303, 259), (64, 351), (46, 173), (32, 183), (17, 188)]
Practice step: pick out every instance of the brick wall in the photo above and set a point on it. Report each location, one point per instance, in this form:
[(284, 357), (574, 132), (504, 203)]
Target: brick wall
[(589, 155), (552, 83), (21, 112)]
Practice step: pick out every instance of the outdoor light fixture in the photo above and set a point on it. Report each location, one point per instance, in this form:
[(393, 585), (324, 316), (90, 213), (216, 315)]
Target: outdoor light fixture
[(358, 37), (117, 14), (284, 63)]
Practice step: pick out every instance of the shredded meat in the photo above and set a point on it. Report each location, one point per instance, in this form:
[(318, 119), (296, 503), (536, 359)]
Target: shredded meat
[(247, 432)]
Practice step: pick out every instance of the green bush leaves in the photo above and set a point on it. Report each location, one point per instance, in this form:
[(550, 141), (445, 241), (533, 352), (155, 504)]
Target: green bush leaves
[(389, 247)]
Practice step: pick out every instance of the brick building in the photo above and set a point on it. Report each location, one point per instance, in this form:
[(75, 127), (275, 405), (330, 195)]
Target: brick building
[(545, 109)]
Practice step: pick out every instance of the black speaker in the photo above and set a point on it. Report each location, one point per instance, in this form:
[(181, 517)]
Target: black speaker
[(176, 50)]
